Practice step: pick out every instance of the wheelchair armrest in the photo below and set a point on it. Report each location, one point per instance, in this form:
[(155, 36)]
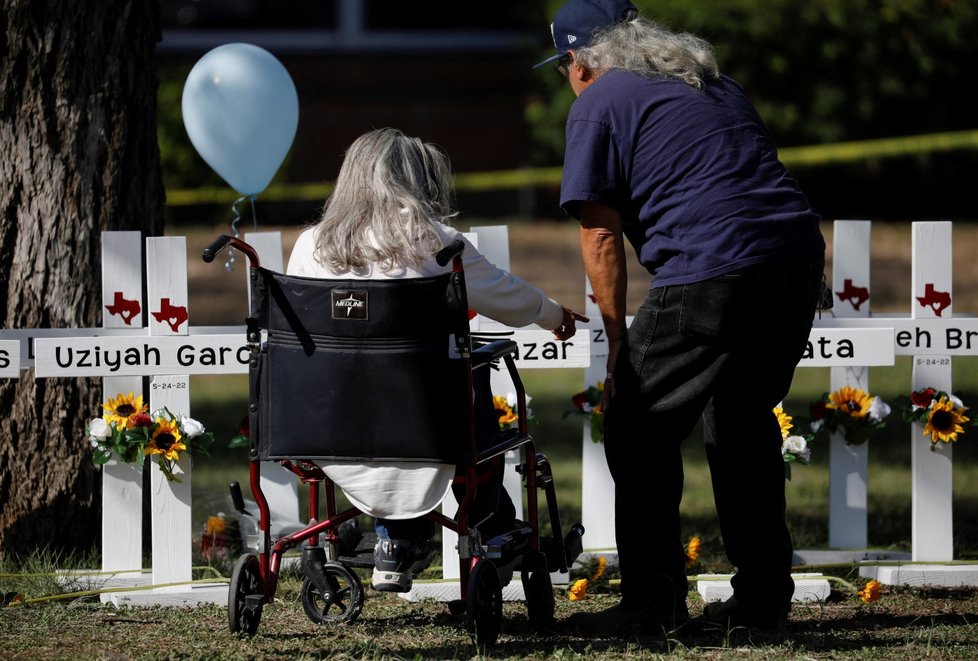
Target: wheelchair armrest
[(494, 351)]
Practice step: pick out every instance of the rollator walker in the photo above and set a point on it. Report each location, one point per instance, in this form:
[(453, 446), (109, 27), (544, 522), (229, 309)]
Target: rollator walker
[(374, 371)]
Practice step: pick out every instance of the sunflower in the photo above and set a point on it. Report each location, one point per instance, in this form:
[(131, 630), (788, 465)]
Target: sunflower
[(167, 440), (578, 590), (871, 591), (944, 421), (851, 401), (693, 552), (784, 421), (503, 411), (120, 409)]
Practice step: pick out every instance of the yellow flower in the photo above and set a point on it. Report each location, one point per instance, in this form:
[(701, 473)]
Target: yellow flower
[(167, 440), (577, 590), (599, 570), (871, 591), (693, 552), (503, 410), (784, 420), (120, 409), (215, 525), (852, 401), (944, 422)]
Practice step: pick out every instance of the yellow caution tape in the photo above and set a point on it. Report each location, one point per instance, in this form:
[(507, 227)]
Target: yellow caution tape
[(842, 152)]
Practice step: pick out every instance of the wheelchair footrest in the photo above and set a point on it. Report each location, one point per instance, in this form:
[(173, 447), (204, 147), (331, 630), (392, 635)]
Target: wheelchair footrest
[(363, 554), (504, 549)]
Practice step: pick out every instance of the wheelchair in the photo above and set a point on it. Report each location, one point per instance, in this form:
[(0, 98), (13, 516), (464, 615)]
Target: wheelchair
[(328, 361)]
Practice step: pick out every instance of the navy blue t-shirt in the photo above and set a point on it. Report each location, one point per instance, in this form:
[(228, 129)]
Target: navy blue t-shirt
[(694, 174)]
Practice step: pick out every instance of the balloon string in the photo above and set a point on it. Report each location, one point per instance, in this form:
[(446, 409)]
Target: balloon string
[(229, 264)]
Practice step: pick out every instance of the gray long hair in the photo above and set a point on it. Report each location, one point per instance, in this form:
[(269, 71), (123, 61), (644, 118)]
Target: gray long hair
[(644, 47), (390, 191)]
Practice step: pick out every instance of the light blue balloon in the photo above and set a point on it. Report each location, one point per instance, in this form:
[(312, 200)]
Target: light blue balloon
[(241, 110)]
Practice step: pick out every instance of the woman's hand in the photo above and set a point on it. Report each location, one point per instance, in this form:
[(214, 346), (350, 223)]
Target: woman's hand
[(568, 325)]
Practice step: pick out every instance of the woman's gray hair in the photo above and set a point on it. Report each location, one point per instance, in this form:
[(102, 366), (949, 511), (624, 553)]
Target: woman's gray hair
[(644, 47), (390, 192)]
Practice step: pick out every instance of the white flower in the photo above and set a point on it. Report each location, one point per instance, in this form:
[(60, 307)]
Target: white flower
[(586, 407), (191, 427), (958, 404), (816, 425), (98, 428), (797, 446), (878, 409)]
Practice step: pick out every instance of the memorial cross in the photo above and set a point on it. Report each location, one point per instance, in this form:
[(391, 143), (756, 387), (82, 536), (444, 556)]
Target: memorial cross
[(931, 336), (167, 351)]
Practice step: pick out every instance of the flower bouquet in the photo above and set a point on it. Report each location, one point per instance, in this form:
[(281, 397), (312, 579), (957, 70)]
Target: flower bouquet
[(851, 411), (588, 404), (220, 539), (129, 433), (941, 413), (794, 448), (506, 411)]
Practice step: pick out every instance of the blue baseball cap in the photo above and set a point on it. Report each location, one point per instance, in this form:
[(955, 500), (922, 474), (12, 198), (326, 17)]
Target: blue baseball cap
[(576, 21)]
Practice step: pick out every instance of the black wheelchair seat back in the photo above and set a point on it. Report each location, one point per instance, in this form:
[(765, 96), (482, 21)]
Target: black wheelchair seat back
[(359, 370)]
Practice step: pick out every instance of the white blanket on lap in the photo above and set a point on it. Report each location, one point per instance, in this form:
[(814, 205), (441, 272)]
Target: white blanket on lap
[(399, 490)]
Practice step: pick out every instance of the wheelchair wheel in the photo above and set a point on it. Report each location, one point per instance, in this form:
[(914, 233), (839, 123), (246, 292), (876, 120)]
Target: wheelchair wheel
[(484, 604), (341, 602), (246, 595), (539, 593)]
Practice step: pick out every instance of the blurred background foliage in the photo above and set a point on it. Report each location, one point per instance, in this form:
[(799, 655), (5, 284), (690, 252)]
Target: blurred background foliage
[(819, 72)]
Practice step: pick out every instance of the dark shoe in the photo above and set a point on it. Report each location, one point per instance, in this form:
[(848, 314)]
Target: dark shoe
[(731, 614), (620, 619), (395, 563)]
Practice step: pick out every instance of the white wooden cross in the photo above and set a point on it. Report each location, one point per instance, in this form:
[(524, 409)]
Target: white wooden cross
[(932, 336), (164, 350)]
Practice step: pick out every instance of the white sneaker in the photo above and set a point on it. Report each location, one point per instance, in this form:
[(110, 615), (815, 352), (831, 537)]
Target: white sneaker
[(394, 562), (391, 581)]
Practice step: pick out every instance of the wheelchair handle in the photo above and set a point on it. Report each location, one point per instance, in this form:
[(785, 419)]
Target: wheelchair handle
[(446, 254), (222, 242)]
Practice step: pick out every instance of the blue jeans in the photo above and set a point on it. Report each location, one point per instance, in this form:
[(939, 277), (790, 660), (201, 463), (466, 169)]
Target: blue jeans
[(725, 350)]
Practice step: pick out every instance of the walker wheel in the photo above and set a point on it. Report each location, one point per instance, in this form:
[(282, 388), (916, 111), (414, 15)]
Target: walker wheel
[(484, 604), (539, 592), (341, 601), (246, 596)]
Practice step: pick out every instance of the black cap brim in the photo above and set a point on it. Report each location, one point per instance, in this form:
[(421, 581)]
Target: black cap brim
[(552, 58)]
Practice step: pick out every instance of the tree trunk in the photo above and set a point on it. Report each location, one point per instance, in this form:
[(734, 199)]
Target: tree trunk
[(78, 155)]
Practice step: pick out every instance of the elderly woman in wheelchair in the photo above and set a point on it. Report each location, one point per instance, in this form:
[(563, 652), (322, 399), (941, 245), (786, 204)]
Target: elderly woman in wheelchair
[(387, 219), (364, 376)]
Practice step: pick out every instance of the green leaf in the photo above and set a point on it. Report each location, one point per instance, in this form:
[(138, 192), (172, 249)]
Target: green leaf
[(101, 456)]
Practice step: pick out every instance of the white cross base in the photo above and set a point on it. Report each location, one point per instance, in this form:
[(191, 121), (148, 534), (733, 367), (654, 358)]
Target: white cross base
[(808, 587), (179, 595), (923, 574)]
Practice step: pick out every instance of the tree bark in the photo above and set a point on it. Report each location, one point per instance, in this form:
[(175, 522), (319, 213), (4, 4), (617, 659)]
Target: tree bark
[(78, 155)]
